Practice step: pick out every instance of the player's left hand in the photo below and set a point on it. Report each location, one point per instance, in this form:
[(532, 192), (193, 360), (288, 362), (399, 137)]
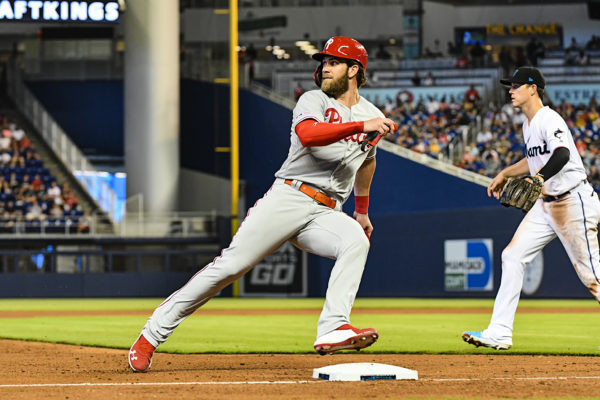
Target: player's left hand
[(365, 223)]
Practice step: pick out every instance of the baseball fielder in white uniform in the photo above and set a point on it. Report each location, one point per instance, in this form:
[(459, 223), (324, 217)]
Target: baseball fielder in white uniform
[(568, 207), (325, 162)]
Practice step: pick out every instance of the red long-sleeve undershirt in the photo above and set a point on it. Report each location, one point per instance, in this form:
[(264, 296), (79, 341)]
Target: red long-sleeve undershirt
[(312, 133)]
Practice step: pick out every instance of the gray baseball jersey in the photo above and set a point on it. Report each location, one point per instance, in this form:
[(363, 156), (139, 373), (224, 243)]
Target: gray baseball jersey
[(330, 168)]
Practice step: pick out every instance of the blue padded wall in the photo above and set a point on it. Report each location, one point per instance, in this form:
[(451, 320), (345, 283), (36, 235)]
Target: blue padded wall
[(91, 112)]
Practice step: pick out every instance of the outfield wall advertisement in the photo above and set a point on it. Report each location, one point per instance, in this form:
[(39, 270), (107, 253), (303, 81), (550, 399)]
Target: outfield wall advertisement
[(415, 94), (573, 93), (468, 265)]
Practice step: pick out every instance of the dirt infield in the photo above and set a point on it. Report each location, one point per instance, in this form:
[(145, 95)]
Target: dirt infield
[(30, 370)]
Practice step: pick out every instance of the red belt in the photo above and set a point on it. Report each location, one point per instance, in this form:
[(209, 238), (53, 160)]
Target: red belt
[(314, 194)]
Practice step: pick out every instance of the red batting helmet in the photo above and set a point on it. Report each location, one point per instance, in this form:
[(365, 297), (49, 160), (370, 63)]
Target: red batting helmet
[(341, 47)]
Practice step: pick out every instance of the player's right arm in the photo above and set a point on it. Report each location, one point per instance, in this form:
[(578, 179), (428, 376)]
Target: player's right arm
[(313, 133), (497, 184)]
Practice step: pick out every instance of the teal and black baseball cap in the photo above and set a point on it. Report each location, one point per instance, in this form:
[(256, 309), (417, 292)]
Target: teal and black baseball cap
[(526, 75)]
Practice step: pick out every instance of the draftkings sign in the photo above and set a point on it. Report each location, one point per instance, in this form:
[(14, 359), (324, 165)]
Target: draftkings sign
[(281, 274), (58, 11)]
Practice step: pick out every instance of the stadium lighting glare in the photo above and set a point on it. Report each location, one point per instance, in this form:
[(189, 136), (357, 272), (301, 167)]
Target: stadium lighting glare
[(269, 48), (392, 41), (301, 43), (278, 52), (311, 52), (307, 47), (286, 56)]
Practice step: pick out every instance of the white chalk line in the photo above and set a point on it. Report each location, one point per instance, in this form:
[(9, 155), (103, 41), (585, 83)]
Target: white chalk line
[(33, 385), (100, 384), (510, 378)]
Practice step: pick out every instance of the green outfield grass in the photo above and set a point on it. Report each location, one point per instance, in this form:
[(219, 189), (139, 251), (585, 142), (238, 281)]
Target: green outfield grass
[(576, 333)]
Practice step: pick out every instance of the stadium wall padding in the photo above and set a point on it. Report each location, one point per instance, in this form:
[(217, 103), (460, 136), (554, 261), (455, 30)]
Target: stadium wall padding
[(90, 112)]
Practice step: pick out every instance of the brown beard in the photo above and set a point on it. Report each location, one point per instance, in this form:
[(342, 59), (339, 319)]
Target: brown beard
[(336, 87)]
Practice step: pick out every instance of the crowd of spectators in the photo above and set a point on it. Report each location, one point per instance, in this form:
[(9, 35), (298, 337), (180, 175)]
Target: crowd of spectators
[(29, 195), (429, 126), (500, 141)]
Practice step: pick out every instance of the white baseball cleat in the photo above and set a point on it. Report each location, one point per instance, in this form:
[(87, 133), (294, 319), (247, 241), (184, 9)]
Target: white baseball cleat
[(479, 339), (346, 337)]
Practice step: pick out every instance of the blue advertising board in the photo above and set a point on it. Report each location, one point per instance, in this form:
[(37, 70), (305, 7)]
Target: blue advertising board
[(415, 94), (573, 93)]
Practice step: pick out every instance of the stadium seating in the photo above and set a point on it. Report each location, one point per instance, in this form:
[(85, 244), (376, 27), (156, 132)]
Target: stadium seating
[(31, 199), (499, 141)]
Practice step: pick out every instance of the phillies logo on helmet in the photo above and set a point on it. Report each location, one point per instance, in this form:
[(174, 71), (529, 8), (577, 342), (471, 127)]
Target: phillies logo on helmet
[(328, 43)]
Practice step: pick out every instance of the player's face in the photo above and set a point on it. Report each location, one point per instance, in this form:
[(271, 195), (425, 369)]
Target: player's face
[(520, 94), (334, 81)]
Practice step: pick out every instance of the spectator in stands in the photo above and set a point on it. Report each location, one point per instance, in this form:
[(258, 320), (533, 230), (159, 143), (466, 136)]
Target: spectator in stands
[(429, 79), (437, 51), (249, 58), (520, 57), (477, 53), (582, 58), (427, 53), (462, 61), (37, 183), (453, 105), (83, 224), (484, 136), (451, 49), (593, 43), (5, 157), (472, 95), (382, 53), (435, 149), (24, 143), (573, 46), (54, 192), (416, 79), (298, 91), (34, 211), (5, 143), (506, 60), (532, 51), (541, 49), (571, 57), (388, 107), (6, 131), (432, 105), (55, 211)]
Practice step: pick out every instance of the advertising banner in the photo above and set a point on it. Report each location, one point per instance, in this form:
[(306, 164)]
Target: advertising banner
[(573, 93), (468, 265), (281, 274), (415, 94)]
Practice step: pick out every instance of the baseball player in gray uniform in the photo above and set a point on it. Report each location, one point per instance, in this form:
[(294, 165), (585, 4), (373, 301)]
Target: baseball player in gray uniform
[(568, 206), (327, 159)]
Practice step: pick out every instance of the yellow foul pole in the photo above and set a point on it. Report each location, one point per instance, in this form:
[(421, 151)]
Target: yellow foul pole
[(234, 111)]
